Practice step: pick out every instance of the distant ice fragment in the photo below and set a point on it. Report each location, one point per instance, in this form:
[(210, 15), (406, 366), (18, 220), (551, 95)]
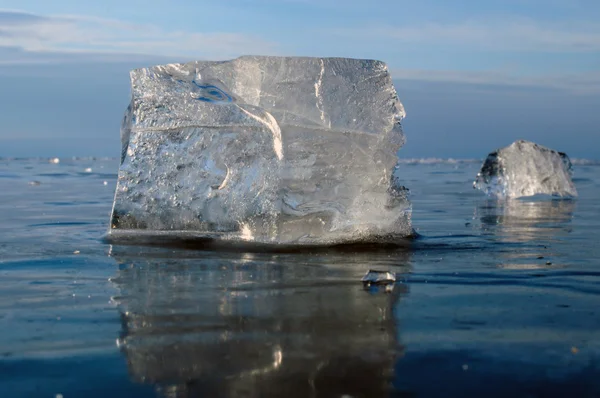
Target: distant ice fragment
[(264, 149), (526, 169), (374, 277)]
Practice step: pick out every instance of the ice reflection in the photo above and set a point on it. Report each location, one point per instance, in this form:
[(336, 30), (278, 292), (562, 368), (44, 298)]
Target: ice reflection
[(258, 325), (526, 220), (533, 225)]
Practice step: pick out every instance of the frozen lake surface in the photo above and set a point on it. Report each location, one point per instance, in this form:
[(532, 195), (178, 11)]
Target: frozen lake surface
[(496, 298)]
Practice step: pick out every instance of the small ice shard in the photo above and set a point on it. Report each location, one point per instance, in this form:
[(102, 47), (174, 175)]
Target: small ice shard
[(526, 169), (284, 150), (374, 277)]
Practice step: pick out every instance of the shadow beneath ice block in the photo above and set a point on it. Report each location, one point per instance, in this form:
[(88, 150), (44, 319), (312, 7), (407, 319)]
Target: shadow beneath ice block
[(258, 325), (190, 240)]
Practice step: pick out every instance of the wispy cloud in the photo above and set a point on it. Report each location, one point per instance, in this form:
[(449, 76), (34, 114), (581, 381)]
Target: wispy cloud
[(580, 83), (14, 18), (501, 34), (39, 35), (27, 38)]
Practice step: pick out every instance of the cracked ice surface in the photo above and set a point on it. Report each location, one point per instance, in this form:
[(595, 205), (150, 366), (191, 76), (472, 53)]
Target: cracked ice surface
[(264, 149), (526, 169)]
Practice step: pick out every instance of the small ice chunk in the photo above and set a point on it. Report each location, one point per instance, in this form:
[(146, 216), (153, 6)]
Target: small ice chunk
[(54, 160), (283, 150), (374, 277), (523, 169)]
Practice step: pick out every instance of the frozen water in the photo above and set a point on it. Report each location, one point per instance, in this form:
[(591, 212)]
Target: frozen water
[(526, 169), (264, 149), (376, 277)]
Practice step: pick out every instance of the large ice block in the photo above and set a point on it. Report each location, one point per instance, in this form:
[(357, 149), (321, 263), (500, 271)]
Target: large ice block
[(264, 149), (526, 169)]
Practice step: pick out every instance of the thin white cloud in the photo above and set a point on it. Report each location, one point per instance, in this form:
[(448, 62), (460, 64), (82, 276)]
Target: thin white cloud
[(81, 34), (27, 38), (502, 34), (581, 83)]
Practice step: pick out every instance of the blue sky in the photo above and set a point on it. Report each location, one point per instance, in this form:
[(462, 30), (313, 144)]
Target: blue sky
[(473, 75)]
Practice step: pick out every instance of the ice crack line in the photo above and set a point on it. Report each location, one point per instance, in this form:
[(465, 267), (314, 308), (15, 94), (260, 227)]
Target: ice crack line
[(318, 93), (271, 123)]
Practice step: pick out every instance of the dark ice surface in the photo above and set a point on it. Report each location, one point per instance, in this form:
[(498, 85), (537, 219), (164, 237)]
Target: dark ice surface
[(493, 299)]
